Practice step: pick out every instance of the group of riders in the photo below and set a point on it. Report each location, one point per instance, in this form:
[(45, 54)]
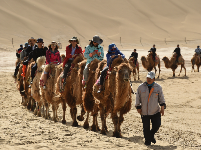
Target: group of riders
[(92, 51)]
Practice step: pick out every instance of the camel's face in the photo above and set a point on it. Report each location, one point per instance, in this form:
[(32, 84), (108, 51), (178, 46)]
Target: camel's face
[(143, 58), (164, 58), (124, 72)]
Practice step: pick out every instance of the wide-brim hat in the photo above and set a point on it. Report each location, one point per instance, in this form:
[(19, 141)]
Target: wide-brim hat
[(97, 39), (53, 43), (74, 39), (151, 75), (39, 40), (32, 39)]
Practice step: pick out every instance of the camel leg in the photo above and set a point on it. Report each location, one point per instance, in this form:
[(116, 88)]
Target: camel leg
[(115, 120), (64, 110), (159, 68), (29, 103), (36, 109), (95, 126), (173, 73), (86, 123), (121, 119), (74, 113), (39, 111), (198, 66), (184, 69), (103, 118), (32, 104), (54, 112), (138, 73), (81, 117), (47, 110)]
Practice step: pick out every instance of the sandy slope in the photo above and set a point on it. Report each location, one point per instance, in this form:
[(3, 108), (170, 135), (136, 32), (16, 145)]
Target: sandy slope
[(153, 21)]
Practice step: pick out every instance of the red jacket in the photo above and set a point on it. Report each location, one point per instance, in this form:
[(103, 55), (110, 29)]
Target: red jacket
[(53, 57), (68, 53)]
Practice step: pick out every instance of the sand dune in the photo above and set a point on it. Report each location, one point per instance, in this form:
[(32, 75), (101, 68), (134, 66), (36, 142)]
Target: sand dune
[(153, 21)]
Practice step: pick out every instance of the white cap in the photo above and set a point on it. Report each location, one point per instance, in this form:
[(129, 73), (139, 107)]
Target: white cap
[(151, 75)]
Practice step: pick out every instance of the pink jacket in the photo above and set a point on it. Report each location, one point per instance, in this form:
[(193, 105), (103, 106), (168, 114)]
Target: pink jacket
[(53, 57)]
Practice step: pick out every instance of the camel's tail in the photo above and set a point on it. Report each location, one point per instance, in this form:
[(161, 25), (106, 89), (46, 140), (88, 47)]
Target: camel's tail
[(40, 61)]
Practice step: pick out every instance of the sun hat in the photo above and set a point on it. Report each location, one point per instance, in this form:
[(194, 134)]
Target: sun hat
[(39, 40), (151, 75), (32, 39), (74, 39), (53, 43), (97, 39), (112, 47), (26, 44)]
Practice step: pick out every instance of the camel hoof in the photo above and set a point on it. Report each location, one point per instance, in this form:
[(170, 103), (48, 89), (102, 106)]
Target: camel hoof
[(24, 104), (93, 128), (29, 106), (63, 121), (117, 134), (103, 132), (55, 120), (80, 118), (86, 125), (75, 124), (39, 114), (35, 112)]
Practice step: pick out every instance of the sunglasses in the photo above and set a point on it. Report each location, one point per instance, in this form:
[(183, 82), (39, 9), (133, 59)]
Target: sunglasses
[(54, 45)]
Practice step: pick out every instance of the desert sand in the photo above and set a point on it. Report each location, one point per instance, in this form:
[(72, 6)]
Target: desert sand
[(164, 23)]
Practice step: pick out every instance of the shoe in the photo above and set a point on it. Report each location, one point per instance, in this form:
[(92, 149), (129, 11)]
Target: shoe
[(153, 140), (44, 87), (100, 89), (147, 143)]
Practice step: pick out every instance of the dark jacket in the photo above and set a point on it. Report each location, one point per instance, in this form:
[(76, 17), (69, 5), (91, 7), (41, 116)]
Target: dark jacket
[(37, 52), (18, 52), (153, 50), (29, 49), (134, 54), (116, 53), (177, 51)]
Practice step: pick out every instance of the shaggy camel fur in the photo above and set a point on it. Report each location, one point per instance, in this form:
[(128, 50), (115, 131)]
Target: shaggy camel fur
[(88, 99), (27, 90), (48, 94), (135, 67), (195, 61), (70, 94), (173, 65), (149, 64), (35, 89), (117, 95)]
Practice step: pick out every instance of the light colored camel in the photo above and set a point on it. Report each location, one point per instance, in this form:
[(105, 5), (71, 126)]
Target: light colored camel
[(116, 98), (173, 64), (195, 61), (135, 67), (35, 89), (148, 63)]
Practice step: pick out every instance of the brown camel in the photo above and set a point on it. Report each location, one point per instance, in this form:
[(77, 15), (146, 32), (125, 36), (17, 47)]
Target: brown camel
[(117, 95), (27, 91), (35, 89), (135, 67), (195, 61), (149, 64), (70, 94), (88, 99), (173, 64)]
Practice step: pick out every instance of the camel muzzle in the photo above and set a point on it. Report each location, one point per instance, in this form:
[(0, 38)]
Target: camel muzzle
[(126, 77)]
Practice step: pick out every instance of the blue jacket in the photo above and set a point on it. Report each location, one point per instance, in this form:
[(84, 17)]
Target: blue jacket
[(116, 53), (90, 49)]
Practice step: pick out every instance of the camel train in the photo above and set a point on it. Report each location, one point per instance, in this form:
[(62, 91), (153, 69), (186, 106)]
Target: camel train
[(115, 99)]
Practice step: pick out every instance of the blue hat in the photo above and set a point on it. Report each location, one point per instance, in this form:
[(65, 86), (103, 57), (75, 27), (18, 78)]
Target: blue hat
[(39, 40), (112, 48), (26, 44)]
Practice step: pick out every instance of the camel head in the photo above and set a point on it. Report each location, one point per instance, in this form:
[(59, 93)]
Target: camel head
[(165, 59), (117, 62), (62, 57), (76, 61), (123, 71), (143, 58), (93, 65)]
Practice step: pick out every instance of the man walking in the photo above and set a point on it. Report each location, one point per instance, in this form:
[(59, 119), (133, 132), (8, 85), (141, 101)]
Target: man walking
[(148, 98)]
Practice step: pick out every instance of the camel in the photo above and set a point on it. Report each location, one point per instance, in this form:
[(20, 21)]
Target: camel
[(117, 95), (135, 67), (149, 64), (173, 65), (35, 89), (27, 91), (88, 99), (71, 94), (195, 61)]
